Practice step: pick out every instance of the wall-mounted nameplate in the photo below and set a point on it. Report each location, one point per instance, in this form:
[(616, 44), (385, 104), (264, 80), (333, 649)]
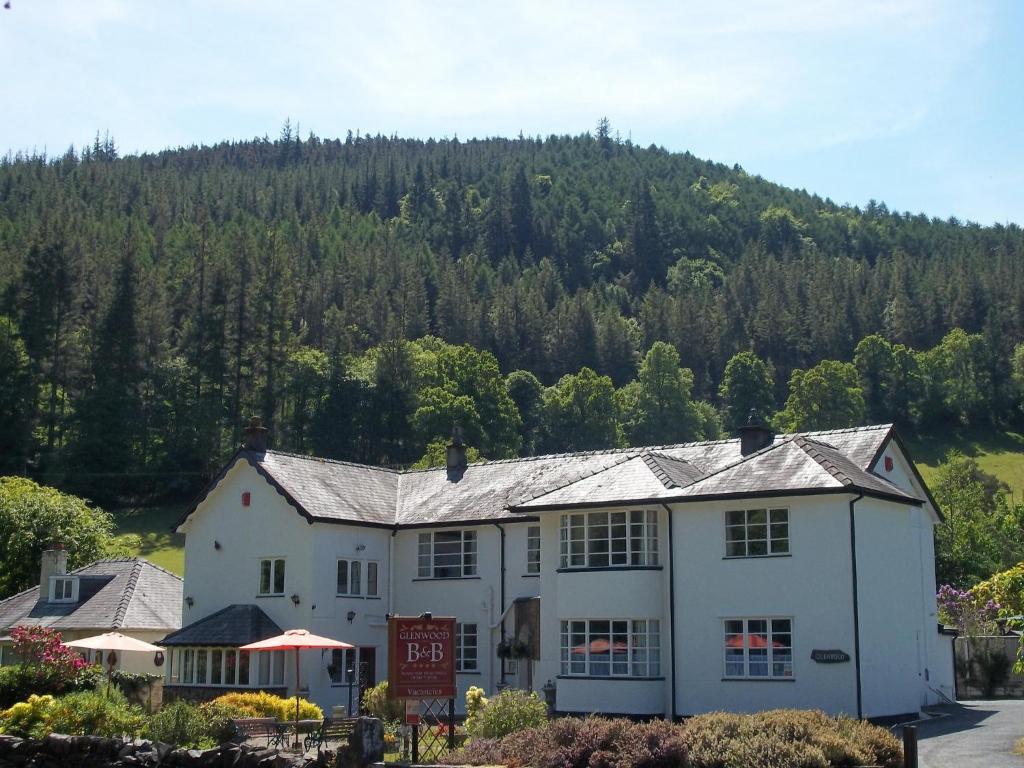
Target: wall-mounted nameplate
[(830, 657)]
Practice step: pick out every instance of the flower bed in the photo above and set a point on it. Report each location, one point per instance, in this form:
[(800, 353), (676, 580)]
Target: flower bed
[(775, 739)]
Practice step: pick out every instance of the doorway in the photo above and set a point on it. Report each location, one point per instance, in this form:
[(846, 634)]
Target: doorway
[(367, 671)]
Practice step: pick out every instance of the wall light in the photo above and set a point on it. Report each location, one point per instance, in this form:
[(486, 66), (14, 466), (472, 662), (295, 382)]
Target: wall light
[(295, 599), (189, 601), (350, 616)]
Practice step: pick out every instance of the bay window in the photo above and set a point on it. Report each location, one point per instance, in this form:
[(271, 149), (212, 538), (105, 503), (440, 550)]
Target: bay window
[(611, 647), (221, 667), (465, 648), (608, 539)]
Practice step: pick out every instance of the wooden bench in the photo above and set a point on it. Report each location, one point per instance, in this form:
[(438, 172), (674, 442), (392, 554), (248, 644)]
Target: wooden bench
[(260, 728), (332, 729)]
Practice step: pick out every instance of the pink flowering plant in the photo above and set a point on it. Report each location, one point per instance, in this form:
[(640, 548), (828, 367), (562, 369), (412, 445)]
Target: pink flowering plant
[(967, 612)]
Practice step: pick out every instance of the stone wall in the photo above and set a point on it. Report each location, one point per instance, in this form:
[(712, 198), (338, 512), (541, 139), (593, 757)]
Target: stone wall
[(972, 658), (59, 751)]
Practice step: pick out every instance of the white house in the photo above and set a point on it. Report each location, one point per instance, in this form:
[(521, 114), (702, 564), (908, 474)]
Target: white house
[(765, 571)]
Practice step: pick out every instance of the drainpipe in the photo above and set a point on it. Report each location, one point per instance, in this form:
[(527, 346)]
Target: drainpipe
[(502, 596), (391, 571), (856, 604), (671, 610)]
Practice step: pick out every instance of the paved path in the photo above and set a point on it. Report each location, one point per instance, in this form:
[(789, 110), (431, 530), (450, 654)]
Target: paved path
[(974, 734)]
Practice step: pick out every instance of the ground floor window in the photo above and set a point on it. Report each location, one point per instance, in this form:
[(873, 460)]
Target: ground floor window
[(226, 667), (465, 648), (759, 648), (611, 647)]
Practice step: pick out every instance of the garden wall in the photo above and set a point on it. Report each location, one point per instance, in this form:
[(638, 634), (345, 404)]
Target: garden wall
[(984, 667), (58, 751)]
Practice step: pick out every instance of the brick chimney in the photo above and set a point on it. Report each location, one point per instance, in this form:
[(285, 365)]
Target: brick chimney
[(456, 454), (255, 436), (54, 563), (754, 435)]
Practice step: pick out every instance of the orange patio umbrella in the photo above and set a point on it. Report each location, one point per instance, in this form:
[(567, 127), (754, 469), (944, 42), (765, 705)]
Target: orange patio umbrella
[(295, 639)]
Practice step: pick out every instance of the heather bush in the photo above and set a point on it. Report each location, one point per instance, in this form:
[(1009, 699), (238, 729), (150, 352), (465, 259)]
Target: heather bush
[(774, 739)]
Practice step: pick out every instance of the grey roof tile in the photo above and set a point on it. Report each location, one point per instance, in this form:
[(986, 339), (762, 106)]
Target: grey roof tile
[(335, 491), (129, 593), (233, 626)]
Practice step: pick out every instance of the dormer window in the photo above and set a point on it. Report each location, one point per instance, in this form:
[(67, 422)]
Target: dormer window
[(63, 589)]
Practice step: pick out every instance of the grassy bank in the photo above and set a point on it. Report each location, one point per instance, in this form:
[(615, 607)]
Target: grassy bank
[(147, 532), (998, 453)]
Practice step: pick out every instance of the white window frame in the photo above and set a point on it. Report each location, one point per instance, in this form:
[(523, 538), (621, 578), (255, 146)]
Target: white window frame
[(533, 550), (69, 589), (744, 538), (609, 539), (275, 564), (467, 647), (641, 657), (349, 660), (187, 666), (754, 657), (462, 564), (358, 574)]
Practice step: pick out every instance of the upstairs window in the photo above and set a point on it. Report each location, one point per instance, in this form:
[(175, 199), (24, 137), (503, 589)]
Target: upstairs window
[(272, 576), (447, 554), (62, 590), (357, 578), (533, 549), (756, 532), (604, 539)]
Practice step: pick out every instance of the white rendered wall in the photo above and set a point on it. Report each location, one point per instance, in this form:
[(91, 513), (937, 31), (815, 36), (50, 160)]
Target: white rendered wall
[(813, 586)]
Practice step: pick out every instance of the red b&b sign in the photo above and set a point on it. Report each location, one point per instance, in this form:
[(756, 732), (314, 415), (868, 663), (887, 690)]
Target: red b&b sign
[(421, 658)]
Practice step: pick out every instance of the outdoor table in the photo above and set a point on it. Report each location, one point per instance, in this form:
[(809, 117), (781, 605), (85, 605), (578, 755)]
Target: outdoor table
[(299, 727)]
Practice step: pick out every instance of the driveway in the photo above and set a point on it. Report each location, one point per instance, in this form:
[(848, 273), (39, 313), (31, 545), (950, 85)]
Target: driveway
[(972, 734)]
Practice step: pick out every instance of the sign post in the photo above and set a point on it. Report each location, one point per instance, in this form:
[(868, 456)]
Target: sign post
[(421, 666)]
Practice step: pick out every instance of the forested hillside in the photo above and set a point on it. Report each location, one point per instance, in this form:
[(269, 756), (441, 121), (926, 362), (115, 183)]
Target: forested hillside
[(150, 304)]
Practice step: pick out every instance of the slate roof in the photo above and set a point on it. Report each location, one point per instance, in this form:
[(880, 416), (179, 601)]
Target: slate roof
[(232, 626), (123, 594), (331, 491)]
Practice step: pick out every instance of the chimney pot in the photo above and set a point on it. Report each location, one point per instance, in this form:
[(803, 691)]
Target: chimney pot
[(456, 455), (754, 435), (255, 436)]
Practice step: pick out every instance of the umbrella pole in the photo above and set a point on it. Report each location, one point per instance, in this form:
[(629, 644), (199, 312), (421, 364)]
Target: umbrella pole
[(296, 698)]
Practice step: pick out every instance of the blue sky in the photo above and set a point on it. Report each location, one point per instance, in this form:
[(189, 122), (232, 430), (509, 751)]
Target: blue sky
[(918, 103)]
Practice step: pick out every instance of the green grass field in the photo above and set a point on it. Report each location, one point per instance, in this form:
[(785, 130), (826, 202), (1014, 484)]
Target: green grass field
[(998, 453), (147, 530)]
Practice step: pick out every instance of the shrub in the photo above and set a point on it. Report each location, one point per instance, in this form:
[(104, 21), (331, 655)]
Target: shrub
[(510, 711), (375, 702), (774, 739), (193, 726), (263, 704), (19, 681), (27, 718), (96, 713)]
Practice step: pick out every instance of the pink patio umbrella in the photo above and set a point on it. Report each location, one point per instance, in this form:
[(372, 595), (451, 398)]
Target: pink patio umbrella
[(295, 639)]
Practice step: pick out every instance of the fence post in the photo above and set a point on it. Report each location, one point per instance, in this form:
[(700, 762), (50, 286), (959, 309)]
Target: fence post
[(416, 743), (910, 746), (451, 724)]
